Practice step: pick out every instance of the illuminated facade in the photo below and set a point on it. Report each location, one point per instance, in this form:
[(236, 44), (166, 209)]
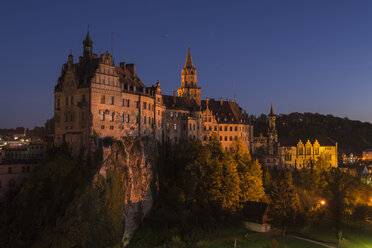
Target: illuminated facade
[(293, 153), (94, 98)]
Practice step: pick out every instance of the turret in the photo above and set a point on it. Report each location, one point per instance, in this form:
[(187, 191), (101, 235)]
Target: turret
[(272, 133), (88, 46)]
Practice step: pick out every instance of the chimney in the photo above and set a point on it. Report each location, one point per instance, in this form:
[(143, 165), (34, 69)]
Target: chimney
[(132, 69), (221, 101), (122, 65), (174, 97)]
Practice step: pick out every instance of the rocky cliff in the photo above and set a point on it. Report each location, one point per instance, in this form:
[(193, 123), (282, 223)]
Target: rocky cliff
[(135, 158)]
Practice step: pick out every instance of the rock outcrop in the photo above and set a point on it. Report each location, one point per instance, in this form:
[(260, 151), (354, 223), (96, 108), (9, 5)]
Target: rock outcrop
[(136, 159)]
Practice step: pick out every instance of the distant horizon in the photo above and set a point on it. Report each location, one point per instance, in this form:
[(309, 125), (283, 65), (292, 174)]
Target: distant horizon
[(311, 57)]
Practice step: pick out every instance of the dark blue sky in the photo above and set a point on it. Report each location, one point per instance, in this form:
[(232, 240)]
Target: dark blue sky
[(304, 56)]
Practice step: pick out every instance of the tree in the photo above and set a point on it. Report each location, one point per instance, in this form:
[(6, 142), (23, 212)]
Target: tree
[(337, 185), (284, 201), (249, 171)]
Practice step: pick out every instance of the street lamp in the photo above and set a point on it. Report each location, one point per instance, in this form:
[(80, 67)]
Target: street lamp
[(322, 202)]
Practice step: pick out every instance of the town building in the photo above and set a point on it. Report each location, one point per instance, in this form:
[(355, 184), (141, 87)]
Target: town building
[(367, 154), (94, 98), (16, 163), (293, 153)]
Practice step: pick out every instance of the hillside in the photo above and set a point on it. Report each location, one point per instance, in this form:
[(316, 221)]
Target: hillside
[(352, 136)]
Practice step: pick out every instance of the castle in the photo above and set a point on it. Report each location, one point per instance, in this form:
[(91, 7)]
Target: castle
[(96, 98)]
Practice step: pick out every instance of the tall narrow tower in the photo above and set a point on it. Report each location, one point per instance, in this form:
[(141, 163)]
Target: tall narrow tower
[(88, 46), (272, 133), (189, 81)]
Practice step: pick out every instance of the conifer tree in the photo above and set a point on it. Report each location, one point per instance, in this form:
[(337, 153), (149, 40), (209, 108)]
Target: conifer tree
[(284, 201)]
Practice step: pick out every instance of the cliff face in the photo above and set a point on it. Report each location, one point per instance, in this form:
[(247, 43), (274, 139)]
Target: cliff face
[(135, 158)]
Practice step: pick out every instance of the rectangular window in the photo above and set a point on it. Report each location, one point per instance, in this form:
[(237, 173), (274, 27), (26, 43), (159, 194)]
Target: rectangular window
[(144, 120), (58, 102), (128, 103), (103, 99), (112, 115), (171, 114), (144, 105), (122, 102), (111, 100), (111, 127), (308, 151), (102, 127), (175, 126), (137, 104), (102, 115), (221, 138), (300, 151), (66, 100), (316, 150), (236, 128), (225, 138), (225, 128), (83, 116), (220, 128), (103, 81), (230, 129), (137, 120), (72, 100), (83, 98), (127, 118), (167, 126)]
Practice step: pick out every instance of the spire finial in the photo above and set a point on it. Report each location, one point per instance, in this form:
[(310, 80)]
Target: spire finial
[(271, 109), (189, 63)]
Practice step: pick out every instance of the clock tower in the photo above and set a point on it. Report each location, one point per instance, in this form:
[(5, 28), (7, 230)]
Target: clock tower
[(189, 83)]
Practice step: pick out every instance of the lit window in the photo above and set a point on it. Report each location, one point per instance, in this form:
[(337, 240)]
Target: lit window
[(308, 151), (175, 126), (111, 100), (102, 115)]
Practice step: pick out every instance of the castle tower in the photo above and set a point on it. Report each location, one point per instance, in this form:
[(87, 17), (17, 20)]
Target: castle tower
[(272, 133), (88, 46), (189, 83)]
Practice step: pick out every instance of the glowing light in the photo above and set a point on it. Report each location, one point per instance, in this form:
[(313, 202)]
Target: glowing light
[(322, 202)]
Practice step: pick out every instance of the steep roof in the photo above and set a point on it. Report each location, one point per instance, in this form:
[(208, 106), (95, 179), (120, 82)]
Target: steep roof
[(126, 77), (189, 63), (294, 141), (228, 112), (175, 102)]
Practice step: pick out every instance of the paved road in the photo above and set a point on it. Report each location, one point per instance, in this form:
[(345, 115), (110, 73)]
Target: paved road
[(312, 241)]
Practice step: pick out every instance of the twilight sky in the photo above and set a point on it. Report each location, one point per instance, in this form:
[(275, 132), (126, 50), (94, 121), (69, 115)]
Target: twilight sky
[(303, 56)]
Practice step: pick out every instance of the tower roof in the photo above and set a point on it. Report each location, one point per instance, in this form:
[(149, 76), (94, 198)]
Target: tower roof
[(189, 63), (88, 41), (272, 110)]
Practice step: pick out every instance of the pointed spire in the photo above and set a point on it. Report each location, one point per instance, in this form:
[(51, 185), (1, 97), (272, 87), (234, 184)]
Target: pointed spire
[(189, 63), (272, 110), (88, 41)]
